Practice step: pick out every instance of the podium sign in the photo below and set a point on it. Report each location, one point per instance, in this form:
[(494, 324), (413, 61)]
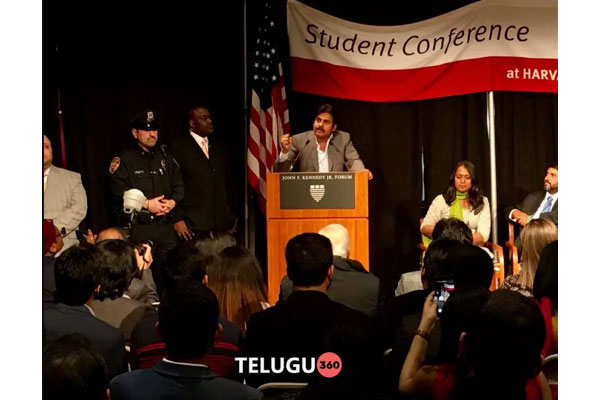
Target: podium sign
[(316, 191)]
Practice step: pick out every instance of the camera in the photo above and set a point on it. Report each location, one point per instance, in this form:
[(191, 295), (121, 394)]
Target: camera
[(140, 246)]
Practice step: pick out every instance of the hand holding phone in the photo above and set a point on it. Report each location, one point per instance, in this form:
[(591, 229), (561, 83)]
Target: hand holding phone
[(442, 292)]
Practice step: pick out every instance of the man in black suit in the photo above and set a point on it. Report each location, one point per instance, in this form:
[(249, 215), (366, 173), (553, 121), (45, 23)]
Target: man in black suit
[(301, 325), (205, 206), (540, 204), (188, 324), (76, 273), (351, 284)]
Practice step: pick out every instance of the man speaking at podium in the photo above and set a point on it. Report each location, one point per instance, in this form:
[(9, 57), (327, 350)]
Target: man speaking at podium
[(324, 149)]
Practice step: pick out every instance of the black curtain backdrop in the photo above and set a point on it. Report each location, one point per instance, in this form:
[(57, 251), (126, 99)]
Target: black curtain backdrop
[(526, 144), (112, 59)]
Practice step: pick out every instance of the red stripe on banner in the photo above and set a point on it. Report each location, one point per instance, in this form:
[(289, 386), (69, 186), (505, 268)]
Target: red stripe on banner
[(455, 78)]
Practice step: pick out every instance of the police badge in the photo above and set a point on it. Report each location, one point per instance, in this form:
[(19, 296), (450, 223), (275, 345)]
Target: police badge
[(114, 165)]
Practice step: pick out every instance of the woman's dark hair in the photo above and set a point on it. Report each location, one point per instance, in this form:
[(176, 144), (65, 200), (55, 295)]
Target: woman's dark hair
[(505, 314), (458, 314), (236, 279), (454, 229), (118, 267), (475, 195)]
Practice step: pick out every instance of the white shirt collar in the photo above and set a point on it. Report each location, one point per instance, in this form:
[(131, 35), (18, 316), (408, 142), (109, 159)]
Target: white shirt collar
[(90, 309), (198, 137), (326, 146), (554, 196), (183, 363)]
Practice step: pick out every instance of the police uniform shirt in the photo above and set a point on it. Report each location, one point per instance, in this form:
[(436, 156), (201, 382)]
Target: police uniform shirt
[(154, 172)]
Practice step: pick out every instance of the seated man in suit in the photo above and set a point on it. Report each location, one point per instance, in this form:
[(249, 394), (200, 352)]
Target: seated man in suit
[(324, 149), (76, 273), (300, 326), (540, 204), (73, 369), (65, 202), (188, 323), (351, 284)]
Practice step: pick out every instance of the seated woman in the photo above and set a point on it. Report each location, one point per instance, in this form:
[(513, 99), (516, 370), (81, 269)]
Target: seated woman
[(534, 237), (462, 200), (471, 369), (237, 280)]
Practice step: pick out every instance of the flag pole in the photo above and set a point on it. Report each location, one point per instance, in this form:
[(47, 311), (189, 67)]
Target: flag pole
[(493, 189), (250, 244)]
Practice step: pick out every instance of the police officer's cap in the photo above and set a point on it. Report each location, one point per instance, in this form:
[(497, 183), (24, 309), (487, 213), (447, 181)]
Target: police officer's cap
[(146, 120)]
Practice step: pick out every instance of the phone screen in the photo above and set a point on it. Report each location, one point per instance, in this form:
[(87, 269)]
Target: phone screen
[(442, 292)]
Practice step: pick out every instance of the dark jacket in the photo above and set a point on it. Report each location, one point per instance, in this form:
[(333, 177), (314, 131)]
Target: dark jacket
[(48, 283), (172, 381), (61, 319), (205, 205), (351, 285), (530, 206), (306, 324), (155, 173)]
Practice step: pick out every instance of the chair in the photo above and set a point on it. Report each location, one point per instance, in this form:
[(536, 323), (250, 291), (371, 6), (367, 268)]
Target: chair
[(498, 277), (275, 389), (513, 252), (499, 266), (550, 369)]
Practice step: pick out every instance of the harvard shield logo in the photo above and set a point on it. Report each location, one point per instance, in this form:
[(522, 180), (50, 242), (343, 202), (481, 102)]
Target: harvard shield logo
[(317, 192)]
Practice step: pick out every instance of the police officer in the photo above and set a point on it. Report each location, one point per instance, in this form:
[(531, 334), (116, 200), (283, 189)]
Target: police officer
[(155, 172)]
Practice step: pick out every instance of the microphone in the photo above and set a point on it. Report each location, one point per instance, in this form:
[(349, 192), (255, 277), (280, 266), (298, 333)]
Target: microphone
[(299, 153)]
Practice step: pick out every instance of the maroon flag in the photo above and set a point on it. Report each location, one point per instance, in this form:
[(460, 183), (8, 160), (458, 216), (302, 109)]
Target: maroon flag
[(269, 118)]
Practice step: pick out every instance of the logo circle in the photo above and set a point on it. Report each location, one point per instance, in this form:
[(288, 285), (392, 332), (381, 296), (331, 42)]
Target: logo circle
[(329, 364)]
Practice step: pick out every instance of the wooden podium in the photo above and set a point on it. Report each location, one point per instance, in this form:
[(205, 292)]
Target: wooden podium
[(306, 202)]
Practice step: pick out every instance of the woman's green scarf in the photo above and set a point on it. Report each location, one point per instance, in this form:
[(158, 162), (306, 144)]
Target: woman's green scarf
[(455, 212)]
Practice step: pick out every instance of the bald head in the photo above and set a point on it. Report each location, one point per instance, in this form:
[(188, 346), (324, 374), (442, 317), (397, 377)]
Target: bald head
[(110, 233), (340, 240), (200, 121), (47, 152)]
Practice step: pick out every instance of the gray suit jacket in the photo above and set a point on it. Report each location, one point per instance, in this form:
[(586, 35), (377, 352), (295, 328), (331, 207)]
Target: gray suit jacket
[(65, 202), (143, 290), (122, 313), (341, 154)]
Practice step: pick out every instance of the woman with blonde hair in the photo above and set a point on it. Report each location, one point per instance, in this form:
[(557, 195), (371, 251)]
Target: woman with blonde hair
[(236, 278), (535, 236)]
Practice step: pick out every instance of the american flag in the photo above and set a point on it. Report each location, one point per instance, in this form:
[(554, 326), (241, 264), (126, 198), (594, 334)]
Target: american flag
[(269, 118)]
